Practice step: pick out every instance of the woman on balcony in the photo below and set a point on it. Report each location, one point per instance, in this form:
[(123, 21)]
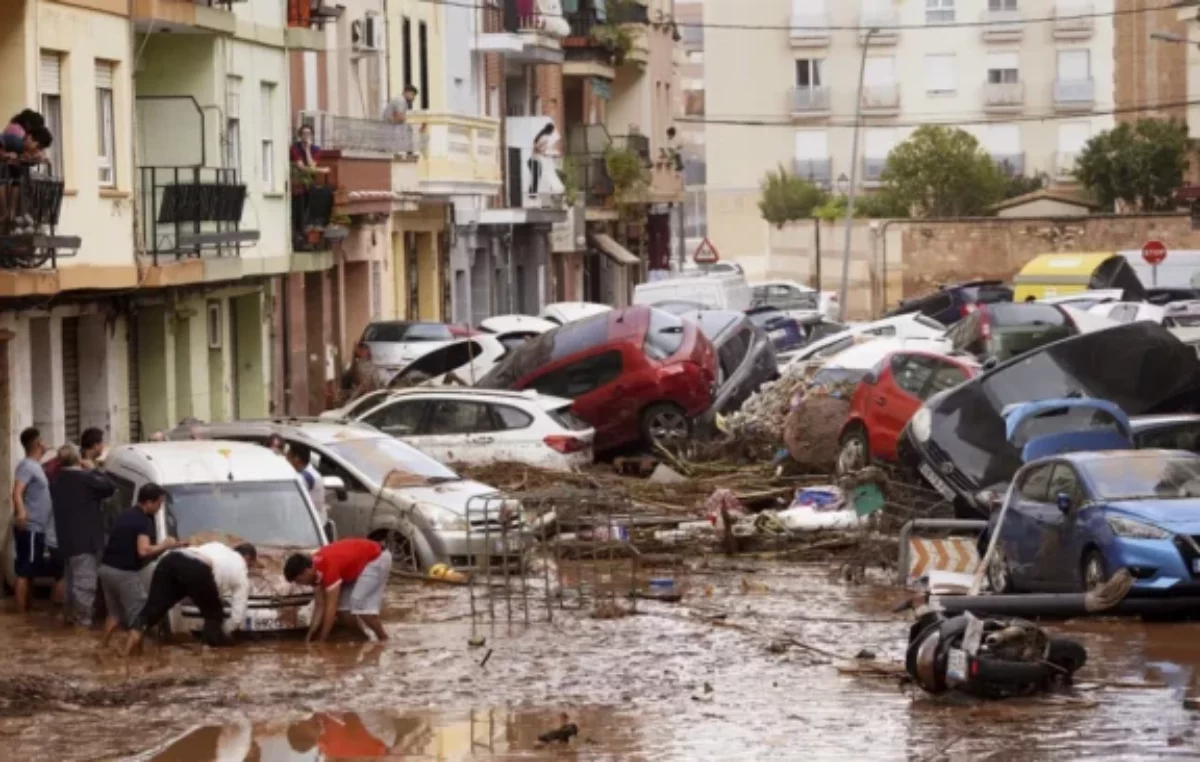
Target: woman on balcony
[(304, 155), (543, 164)]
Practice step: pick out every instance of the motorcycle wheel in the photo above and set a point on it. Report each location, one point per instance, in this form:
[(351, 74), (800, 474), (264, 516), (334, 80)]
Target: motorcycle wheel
[(1011, 674), (1067, 655)]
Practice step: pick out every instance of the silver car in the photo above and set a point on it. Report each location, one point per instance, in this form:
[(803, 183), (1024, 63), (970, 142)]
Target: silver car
[(745, 357)]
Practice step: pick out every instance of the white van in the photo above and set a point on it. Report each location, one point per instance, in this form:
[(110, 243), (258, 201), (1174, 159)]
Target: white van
[(714, 291), (236, 490)]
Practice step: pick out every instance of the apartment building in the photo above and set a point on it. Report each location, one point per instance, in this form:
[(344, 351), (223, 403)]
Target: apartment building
[(1033, 84), (691, 128)]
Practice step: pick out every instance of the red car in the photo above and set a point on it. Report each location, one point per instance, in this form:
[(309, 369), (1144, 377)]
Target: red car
[(887, 398), (636, 374)]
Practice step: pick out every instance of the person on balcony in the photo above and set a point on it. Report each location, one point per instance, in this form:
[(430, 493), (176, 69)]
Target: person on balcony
[(397, 109), (543, 163), (304, 156)]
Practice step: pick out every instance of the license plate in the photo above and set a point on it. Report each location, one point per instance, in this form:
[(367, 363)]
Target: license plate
[(956, 666), (264, 625), (936, 481)]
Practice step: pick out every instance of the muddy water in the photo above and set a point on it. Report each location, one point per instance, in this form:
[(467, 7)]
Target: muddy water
[(664, 684)]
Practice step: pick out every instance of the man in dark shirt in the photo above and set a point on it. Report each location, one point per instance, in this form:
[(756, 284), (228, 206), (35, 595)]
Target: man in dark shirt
[(130, 547), (78, 494)]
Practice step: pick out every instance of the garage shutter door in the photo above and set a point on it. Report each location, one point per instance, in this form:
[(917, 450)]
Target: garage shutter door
[(135, 413), (70, 376)]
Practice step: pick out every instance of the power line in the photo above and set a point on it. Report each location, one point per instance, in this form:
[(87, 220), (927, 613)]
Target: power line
[(879, 28)]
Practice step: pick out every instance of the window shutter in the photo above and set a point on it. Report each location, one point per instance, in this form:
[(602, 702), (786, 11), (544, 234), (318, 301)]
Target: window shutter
[(104, 75), (50, 74)]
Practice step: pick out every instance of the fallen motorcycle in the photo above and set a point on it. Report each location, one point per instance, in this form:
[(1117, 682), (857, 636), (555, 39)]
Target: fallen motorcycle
[(987, 657)]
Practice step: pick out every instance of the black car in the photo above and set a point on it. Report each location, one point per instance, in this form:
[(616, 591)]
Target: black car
[(1163, 296), (957, 440), (951, 303)]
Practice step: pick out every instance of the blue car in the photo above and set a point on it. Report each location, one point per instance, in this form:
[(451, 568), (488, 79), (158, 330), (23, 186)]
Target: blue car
[(1086, 504)]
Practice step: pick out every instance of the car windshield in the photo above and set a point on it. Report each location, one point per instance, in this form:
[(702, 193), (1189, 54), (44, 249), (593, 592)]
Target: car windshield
[(428, 332), (385, 332), (263, 513), (664, 335), (384, 458), (1153, 476), (1184, 435)]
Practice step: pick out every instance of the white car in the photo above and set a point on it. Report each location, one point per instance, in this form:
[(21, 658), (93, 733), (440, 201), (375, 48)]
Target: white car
[(462, 362), (1130, 312), (1082, 300), (478, 426), (393, 344), (514, 330), (912, 325), (561, 313), (796, 299)]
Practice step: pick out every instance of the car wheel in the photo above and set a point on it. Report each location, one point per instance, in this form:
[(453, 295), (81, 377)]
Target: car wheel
[(1093, 573), (667, 426), (854, 453), (998, 575), (399, 542)]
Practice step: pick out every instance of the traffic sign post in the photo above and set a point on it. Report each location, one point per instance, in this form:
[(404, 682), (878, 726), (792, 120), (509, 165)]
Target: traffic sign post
[(706, 253), (1154, 253)]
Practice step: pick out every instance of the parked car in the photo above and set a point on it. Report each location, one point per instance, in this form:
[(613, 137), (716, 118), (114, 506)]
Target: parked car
[(796, 299), (478, 426), (910, 326), (561, 313), (227, 489), (1164, 296), (462, 362), (1085, 300), (1184, 314), (785, 331), (393, 344), (636, 374), (678, 307), (958, 442), (1075, 517), (887, 397), (951, 303), (391, 492), (1132, 312), (514, 330), (717, 291), (745, 356), (997, 332)]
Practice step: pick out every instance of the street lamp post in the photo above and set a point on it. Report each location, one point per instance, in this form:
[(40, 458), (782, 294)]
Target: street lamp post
[(862, 74)]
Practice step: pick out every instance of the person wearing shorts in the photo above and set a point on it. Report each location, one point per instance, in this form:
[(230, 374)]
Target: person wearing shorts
[(33, 520), (130, 547), (350, 577)]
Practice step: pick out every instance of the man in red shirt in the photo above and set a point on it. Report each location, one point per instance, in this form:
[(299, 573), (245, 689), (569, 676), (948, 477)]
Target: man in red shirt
[(350, 577)]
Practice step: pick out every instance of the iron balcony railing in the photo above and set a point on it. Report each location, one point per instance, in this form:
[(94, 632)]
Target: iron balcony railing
[(30, 204), (586, 148), (583, 21), (312, 209), (192, 210), (344, 133)]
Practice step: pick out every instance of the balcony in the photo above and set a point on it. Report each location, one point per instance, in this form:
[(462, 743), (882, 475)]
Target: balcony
[(810, 102), (810, 30), (873, 170), (884, 20), (1073, 21), (1011, 164), (530, 185), (306, 23), (312, 211), (192, 211), (593, 47), (587, 145), (530, 39), (1064, 166), (185, 16), (1003, 25), (1074, 94), (30, 203), (459, 154), (881, 100), (819, 172), (349, 135), (1003, 97)]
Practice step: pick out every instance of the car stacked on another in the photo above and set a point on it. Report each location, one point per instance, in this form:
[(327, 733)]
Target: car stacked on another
[(745, 357), (636, 374), (461, 362)]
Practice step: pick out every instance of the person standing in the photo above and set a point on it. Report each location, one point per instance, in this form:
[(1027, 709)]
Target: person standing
[(206, 574), (78, 493), (350, 577), (130, 547), (300, 458), (397, 109), (33, 517)]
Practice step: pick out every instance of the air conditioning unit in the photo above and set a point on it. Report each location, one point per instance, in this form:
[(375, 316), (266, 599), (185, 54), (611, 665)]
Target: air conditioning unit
[(366, 34)]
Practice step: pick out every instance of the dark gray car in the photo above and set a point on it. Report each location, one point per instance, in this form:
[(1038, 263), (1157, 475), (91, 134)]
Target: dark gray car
[(745, 356)]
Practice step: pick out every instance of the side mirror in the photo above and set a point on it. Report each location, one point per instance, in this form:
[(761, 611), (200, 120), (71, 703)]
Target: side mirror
[(335, 485), (1064, 502), (990, 363)]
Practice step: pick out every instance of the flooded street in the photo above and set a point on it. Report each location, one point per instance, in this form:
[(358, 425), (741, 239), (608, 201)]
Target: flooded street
[(675, 681)]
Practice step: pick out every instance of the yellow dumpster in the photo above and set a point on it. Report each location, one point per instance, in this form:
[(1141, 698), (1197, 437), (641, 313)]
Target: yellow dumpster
[(1050, 275)]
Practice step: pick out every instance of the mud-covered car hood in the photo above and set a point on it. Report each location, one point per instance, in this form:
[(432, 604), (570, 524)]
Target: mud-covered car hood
[(1141, 367), (453, 496)]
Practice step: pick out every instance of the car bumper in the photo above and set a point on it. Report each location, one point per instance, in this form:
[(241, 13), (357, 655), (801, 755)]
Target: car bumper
[(949, 483), (1159, 567), (261, 616)]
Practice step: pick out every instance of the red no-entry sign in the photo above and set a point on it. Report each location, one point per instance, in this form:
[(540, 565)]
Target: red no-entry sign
[(1154, 252)]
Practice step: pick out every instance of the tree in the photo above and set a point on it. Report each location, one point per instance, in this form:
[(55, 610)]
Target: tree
[(1139, 164), (788, 198), (942, 172), (1019, 185), (878, 205)]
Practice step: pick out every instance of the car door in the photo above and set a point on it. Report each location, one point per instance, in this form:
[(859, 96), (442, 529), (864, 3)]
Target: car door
[(1021, 533), (460, 431), (1064, 533), (351, 510), (895, 398), (516, 437)]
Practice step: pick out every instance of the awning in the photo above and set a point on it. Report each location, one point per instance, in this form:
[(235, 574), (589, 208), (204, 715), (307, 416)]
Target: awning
[(615, 251)]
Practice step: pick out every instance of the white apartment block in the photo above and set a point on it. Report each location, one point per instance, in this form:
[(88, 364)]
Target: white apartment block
[(1032, 80)]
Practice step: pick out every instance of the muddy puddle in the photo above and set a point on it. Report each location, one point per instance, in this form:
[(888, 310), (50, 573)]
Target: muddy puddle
[(745, 668)]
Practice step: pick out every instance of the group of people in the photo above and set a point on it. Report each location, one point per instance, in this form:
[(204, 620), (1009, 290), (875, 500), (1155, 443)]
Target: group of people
[(59, 533)]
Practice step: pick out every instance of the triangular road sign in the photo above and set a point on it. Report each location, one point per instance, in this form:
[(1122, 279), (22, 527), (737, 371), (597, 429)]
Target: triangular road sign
[(706, 253)]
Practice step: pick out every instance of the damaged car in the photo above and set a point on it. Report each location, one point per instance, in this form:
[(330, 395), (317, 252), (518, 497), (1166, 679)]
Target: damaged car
[(957, 439)]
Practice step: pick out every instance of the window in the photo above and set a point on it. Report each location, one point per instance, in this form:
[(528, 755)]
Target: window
[(1002, 140), (808, 72), (511, 418), (423, 52), (941, 76), (1064, 481), (939, 11), (733, 352), (812, 144), (50, 83), (580, 377), (106, 147), (1073, 136), (967, 335), (1074, 65), (1002, 68), (457, 417), (265, 513), (911, 373), (1037, 479), (787, 297), (947, 376), (267, 125), (400, 419), (1002, 5), (233, 124)]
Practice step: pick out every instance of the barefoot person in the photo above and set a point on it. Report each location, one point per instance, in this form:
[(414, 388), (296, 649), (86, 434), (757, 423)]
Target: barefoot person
[(130, 547), (206, 574), (350, 577)]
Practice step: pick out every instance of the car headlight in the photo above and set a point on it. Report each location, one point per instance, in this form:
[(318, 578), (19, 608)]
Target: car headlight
[(441, 517), (1135, 530), (922, 424)]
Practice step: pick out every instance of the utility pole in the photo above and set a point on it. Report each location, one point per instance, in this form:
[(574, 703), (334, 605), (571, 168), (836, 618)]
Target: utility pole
[(862, 73)]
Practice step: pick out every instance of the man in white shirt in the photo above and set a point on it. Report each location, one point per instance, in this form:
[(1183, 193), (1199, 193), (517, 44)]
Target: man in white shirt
[(206, 574), (300, 456)]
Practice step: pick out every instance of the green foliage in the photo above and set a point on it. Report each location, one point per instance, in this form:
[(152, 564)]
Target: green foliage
[(1019, 185), (877, 205), (943, 172), (784, 197), (614, 38), (628, 173), (1140, 164), (572, 179)]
